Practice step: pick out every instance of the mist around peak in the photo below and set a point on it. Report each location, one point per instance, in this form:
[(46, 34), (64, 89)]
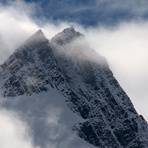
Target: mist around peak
[(66, 36), (125, 47)]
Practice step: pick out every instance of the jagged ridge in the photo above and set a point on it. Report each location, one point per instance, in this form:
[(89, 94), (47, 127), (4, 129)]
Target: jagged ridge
[(90, 89)]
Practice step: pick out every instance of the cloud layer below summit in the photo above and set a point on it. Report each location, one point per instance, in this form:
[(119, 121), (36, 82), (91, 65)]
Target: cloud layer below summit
[(14, 132)]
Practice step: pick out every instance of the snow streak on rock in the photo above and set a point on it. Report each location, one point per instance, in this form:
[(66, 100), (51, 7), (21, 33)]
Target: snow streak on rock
[(105, 116)]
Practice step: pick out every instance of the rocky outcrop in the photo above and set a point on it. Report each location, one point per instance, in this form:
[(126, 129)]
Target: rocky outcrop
[(67, 64)]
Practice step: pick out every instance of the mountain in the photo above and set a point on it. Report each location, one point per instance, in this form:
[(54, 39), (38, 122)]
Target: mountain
[(68, 95)]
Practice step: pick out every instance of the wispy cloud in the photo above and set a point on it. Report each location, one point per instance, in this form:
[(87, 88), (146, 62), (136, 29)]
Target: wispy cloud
[(136, 8), (126, 50), (15, 27), (14, 133), (90, 12), (125, 45)]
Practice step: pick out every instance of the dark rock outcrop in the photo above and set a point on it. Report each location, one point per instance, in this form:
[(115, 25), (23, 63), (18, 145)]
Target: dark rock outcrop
[(68, 65)]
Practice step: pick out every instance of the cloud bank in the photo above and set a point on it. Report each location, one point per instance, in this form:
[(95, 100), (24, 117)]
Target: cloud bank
[(14, 132), (15, 26), (126, 49)]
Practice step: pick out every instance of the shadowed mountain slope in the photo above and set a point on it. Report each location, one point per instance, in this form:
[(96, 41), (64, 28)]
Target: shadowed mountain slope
[(65, 75)]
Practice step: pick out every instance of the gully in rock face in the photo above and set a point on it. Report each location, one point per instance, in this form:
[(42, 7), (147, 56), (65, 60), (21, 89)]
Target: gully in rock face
[(66, 69)]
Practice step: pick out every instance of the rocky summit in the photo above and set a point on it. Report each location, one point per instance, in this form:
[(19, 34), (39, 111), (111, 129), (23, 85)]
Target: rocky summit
[(68, 96)]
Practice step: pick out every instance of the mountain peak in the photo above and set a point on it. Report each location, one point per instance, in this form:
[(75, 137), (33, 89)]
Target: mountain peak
[(39, 32), (47, 87), (38, 36), (70, 30), (66, 36), (24, 53)]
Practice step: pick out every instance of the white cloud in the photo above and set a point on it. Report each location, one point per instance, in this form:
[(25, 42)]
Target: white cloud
[(14, 132), (126, 49), (15, 26)]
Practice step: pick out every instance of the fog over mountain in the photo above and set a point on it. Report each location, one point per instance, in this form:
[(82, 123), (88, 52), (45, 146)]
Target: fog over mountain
[(64, 94), (124, 46)]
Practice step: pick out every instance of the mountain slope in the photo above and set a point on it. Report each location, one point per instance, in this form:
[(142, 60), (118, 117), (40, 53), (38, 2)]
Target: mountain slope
[(42, 73)]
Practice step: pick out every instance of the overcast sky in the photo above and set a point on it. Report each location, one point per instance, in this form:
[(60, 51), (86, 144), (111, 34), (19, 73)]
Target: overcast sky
[(116, 29)]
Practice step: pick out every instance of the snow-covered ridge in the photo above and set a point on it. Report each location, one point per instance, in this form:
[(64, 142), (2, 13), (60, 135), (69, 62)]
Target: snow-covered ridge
[(66, 36), (107, 117)]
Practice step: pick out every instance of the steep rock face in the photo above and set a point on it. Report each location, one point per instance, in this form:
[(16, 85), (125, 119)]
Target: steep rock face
[(66, 36), (66, 63)]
